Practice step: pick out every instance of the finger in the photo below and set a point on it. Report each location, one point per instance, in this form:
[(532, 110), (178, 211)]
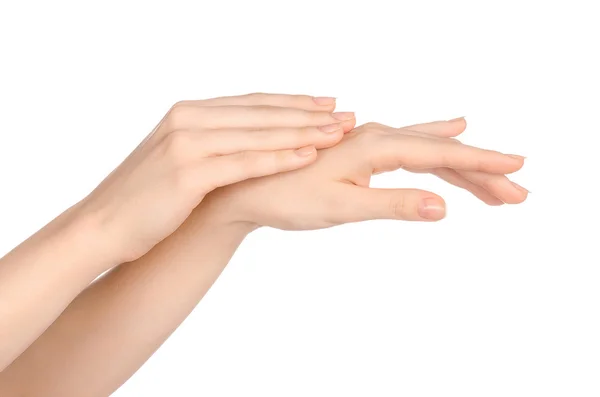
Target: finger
[(454, 178), (220, 117), (228, 141), (348, 125), (361, 204), (450, 128), (394, 151), (497, 185), (420, 134), (305, 102), (233, 168)]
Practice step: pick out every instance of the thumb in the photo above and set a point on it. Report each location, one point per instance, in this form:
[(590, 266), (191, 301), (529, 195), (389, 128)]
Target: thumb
[(404, 204)]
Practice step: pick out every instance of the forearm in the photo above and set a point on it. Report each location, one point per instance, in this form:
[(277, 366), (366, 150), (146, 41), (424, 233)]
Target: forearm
[(40, 277), (116, 324)]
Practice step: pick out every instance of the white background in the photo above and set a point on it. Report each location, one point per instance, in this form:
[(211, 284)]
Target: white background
[(489, 302)]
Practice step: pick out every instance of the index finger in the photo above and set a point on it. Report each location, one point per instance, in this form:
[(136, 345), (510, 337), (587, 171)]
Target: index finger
[(304, 102)]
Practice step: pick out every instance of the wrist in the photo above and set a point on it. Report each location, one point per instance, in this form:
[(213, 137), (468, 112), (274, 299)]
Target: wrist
[(87, 237), (219, 210), (67, 245)]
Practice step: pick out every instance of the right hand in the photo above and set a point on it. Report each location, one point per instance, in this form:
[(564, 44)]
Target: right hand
[(197, 147)]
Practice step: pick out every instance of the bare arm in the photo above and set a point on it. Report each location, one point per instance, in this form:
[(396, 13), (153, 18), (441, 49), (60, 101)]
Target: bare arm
[(197, 147), (113, 327), (40, 277)]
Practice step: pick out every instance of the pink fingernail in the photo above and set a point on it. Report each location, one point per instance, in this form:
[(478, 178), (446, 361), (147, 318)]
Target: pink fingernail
[(521, 188), (305, 151), (516, 156), (457, 119), (343, 116), (324, 100), (432, 209), (328, 129)]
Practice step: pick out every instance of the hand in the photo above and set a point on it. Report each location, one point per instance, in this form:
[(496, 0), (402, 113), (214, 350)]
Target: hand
[(197, 147), (334, 190)]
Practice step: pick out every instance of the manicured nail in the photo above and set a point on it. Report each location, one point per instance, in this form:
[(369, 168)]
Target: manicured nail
[(516, 156), (305, 151), (324, 100), (520, 188), (432, 209), (457, 119), (343, 116), (328, 129)]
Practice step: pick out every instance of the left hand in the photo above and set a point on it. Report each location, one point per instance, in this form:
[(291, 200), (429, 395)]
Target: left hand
[(335, 189)]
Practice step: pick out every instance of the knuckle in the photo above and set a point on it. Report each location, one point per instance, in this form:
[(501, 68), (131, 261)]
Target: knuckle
[(478, 164), (242, 160), (176, 145), (371, 130), (367, 136), (256, 96), (248, 163), (371, 125), (254, 164), (397, 206), (316, 117), (267, 162), (279, 159), (301, 136), (178, 114), (445, 159), (183, 103)]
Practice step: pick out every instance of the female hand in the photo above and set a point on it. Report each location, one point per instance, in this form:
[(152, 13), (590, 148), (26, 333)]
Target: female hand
[(334, 190), (197, 147), (139, 304)]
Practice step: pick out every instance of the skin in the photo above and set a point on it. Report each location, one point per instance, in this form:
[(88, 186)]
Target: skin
[(197, 147), (112, 328)]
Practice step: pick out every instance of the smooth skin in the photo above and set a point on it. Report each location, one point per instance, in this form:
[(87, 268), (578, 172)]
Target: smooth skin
[(197, 147), (112, 328)]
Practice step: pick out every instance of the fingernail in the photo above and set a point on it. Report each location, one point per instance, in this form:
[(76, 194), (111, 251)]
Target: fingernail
[(457, 119), (432, 209), (328, 129), (516, 156), (343, 116), (521, 188), (324, 100), (305, 151)]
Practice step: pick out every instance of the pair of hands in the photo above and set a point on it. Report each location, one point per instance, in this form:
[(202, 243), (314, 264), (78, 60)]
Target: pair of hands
[(257, 154)]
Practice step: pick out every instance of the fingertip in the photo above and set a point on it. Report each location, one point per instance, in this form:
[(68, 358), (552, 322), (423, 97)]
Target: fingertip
[(522, 193), (324, 101), (306, 152), (520, 160), (458, 120), (495, 202), (517, 162), (432, 208), (459, 126), (321, 104), (348, 125)]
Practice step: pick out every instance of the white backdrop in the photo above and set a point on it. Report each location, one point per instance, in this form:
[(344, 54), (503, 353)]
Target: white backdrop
[(489, 302)]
